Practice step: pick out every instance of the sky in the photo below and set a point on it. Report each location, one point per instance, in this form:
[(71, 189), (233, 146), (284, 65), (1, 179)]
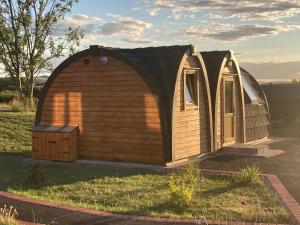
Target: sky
[(264, 34)]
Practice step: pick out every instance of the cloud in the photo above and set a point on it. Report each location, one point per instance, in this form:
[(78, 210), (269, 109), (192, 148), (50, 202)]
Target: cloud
[(137, 41), (244, 9), (275, 70), (129, 29), (230, 32)]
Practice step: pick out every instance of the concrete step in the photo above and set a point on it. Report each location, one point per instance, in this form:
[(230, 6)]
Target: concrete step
[(246, 149)]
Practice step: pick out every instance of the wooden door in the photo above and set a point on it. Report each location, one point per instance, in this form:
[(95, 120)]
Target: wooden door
[(37, 145), (229, 110)]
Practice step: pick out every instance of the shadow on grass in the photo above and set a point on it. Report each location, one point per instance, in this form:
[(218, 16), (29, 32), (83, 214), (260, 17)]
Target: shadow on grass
[(14, 172), (221, 190)]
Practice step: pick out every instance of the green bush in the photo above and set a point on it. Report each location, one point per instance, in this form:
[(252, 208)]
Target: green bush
[(7, 84), (37, 177), (250, 175), (7, 96), (8, 215), (182, 186)]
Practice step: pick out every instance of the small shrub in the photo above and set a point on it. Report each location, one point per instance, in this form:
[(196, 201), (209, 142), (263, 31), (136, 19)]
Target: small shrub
[(250, 175), (37, 176), (19, 106), (8, 215), (182, 186)]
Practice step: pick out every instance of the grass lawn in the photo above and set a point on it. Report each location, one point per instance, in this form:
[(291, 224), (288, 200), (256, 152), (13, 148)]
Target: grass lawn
[(127, 190), (14, 131)]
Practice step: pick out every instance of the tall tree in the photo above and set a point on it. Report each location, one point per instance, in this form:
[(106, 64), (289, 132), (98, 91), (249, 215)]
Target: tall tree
[(31, 37)]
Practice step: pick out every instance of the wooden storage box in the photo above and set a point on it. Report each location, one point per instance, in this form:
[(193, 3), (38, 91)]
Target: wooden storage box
[(54, 142)]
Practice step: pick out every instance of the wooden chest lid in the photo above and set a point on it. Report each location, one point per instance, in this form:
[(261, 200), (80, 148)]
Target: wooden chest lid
[(58, 129)]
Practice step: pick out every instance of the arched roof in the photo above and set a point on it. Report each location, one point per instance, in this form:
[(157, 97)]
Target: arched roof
[(158, 67), (214, 63)]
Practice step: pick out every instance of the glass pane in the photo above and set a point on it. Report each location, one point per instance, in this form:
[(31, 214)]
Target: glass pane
[(250, 90), (228, 96), (188, 96), (191, 89)]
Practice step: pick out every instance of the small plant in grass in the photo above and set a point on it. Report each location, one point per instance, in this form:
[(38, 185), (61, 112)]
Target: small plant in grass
[(182, 186), (37, 176), (19, 106), (250, 175), (8, 215)]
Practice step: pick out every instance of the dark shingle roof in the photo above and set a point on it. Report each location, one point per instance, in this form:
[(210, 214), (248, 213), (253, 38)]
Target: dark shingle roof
[(213, 62)]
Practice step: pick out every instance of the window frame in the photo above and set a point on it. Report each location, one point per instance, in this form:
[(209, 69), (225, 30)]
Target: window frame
[(191, 72), (245, 83)]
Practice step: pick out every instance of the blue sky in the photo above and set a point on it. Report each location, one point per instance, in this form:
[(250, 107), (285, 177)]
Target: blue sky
[(260, 32)]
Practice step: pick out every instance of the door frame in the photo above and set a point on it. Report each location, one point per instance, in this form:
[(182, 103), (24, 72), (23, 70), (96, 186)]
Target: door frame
[(232, 140)]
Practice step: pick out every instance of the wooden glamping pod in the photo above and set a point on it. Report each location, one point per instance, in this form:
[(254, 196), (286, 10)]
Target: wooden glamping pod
[(146, 105), (227, 97), (256, 109)]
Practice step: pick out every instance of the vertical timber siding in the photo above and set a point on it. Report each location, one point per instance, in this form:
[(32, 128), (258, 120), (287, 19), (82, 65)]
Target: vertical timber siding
[(191, 126), (117, 115)]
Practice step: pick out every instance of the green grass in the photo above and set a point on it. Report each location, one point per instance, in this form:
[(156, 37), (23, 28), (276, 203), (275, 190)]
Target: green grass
[(128, 191), (14, 131), (144, 193)]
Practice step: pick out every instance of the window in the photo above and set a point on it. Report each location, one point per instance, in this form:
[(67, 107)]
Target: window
[(250, 91), (229, 97), (191, 89)]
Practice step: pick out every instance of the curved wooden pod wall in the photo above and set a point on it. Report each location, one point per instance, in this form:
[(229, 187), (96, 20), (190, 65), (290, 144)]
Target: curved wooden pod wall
[(218, 68), (115, 110), (122, 102), (257, 115)]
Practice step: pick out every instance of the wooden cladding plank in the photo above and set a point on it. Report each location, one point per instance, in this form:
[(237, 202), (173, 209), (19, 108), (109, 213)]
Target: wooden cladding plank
[(96, 108), (140, 140), (95, 92), (99, 84), (110, 146), (83, 103), (88, 113), (86, 118), (155, 126), (102, 88), (108, 74)]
